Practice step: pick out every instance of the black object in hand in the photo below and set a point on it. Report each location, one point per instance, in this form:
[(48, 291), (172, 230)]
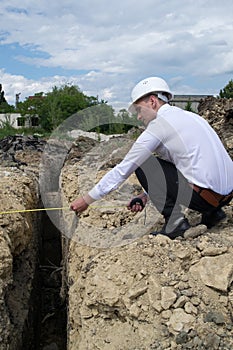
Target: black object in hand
[(136, 200)]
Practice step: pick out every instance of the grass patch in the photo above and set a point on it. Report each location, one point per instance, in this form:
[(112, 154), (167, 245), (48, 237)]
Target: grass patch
[(8, 130)]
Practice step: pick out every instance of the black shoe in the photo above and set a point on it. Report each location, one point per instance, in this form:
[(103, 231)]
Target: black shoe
[(210, 219), (177, 232)]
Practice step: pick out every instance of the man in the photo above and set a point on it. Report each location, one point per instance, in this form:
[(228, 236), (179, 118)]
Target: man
[(179, 160)]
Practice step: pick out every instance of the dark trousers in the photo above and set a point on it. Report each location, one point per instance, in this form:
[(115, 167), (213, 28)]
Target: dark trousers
[(168, 189)]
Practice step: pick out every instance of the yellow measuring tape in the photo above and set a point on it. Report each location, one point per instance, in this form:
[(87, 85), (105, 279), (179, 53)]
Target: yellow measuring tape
[(30, 210), (62, 208)]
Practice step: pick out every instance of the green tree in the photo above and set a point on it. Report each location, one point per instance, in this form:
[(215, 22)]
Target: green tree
[(188, 106), (56, 106), (31, 107), (125, 121), (4, 106), (227, 91)]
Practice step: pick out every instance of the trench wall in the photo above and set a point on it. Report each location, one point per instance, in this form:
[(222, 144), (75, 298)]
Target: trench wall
[(19, 242)]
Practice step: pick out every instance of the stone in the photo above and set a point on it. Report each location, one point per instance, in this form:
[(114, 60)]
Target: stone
[(149, 252), (168, 297), (183, 253), (212, 341), (213, 251), (190, 308), (181, 321), (196, 231), (180, 301), (215, 317), (195, 301), (136, 291), (215, 272), (134, 311), (154, 293), (182, 338), (166, 314)]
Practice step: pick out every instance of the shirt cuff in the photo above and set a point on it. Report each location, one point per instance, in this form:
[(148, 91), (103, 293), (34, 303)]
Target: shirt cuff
[(94, 193)]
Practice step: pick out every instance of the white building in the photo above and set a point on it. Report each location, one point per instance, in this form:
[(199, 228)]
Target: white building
[(183, 100), (17, 121)]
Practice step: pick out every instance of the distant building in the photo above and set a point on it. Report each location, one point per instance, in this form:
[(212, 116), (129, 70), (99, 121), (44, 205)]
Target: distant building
[(183, 100), (17, 121)]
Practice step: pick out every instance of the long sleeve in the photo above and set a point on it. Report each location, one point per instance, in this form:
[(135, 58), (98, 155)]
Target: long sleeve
[(139, 152)]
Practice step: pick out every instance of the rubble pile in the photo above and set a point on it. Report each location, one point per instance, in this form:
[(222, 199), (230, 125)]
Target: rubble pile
[(219, 113), (143, 292), (20, 149), (153, 294), (129, 290), (125, 289)]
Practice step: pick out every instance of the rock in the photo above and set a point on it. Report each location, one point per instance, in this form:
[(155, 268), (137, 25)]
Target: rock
[(168, 297), (215, 317), (216, 272), (154, 293), (213, 251), (180, 302), (134, 311), (93, 135), (137, 291), (166, 314), (190, 308), (182, 338), (149, 252), (181, 321), (195, 231), (212, 341)]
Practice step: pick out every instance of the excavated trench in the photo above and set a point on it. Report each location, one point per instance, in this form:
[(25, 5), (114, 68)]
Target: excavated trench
[(45, 327), (52, 324), (35, 304), (53, 312)]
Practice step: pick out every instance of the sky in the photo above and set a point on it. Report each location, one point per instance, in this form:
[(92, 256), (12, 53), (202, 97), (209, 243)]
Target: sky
[(106, 47)]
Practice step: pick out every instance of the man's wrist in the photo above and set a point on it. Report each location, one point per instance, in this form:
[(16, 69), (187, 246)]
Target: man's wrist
[(88, 199)]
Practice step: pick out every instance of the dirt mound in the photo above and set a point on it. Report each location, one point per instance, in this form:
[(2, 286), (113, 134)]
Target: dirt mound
[(125, 289), (128, 290), (20, 150), (219, 113)]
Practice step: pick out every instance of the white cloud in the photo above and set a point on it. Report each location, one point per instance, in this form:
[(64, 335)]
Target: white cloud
[(14, 84)]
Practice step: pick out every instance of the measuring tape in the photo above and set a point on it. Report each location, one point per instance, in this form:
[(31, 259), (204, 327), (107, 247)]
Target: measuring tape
[(30, 210), (62, 208)]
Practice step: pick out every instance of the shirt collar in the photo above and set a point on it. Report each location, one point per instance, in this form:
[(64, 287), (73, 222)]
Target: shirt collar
[(162, 109)]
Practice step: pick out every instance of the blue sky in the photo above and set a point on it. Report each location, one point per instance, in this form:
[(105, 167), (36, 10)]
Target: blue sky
[(106, 48)]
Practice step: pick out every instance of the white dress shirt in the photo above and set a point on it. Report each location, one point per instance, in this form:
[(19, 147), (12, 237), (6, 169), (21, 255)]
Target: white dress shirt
[(182, 138)]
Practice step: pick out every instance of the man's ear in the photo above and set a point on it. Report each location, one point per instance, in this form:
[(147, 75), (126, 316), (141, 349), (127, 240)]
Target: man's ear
[(154, 101)]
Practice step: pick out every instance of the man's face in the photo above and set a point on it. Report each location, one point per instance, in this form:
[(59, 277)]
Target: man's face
[(145, 110)]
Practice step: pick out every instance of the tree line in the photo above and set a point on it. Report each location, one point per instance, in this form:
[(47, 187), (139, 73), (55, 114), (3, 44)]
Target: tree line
[(52, 109)]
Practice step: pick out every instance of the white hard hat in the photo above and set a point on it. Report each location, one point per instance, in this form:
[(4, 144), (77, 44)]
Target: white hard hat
[(152, 84)]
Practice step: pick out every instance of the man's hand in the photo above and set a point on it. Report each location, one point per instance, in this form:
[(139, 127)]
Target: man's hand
[(139, 205), (79, 205)]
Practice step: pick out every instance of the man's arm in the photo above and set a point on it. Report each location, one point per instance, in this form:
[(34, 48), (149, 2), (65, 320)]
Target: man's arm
[(138, 154)]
